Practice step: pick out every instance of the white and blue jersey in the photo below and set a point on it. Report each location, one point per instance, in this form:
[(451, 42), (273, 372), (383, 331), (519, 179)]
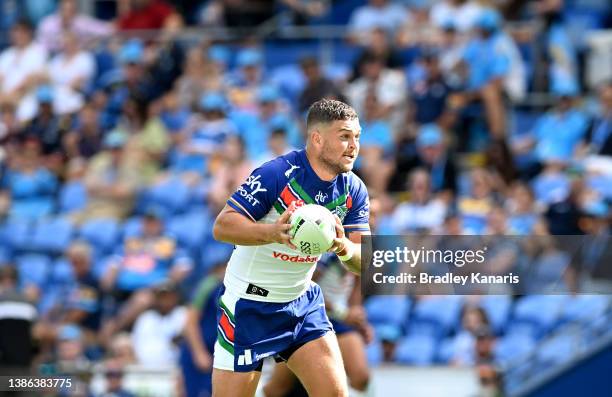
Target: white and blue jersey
[(281, 273), (269, 306)]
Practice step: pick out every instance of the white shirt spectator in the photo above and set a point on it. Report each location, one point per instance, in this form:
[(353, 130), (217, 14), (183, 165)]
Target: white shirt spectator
[(412, 216), (17, 65), (153, 336), (65, 70), (390, 17), (463, 16), (390, 90), (50, 30), (515, 81)]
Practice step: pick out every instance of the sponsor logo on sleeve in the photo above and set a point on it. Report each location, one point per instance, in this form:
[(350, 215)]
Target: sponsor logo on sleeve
[(250, 188)]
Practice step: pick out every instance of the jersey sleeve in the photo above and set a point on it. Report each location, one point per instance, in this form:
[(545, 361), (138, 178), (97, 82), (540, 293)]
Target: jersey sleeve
[(358, 216), (255, 197)]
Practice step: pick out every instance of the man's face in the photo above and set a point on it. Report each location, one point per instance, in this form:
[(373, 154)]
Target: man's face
[(20, 36), (339, 145), (606, 98)]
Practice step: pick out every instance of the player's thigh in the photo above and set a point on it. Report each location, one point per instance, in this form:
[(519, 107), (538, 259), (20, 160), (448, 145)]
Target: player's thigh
[(234, 384), (318, 365), (280, 382), (355, 360)]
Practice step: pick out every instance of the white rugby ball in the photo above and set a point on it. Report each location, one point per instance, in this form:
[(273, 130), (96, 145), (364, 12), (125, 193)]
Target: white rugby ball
[(313, 228)]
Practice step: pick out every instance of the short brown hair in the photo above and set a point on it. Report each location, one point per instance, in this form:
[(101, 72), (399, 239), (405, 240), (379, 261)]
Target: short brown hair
[(327, 111)]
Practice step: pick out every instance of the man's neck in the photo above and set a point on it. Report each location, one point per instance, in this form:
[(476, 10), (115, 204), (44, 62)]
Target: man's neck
[(319, 169)]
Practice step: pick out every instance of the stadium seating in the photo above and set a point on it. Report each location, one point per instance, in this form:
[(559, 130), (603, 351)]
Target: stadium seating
[(416, 350), (435, 316), (52, 236), (102, 234), (537, 314), (33, 269), (72, 197)]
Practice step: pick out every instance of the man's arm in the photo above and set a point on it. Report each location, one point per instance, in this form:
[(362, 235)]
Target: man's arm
[(235, 228), (348, 248)]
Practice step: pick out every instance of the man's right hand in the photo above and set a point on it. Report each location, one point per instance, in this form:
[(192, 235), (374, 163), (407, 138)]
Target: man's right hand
[(279, 230)]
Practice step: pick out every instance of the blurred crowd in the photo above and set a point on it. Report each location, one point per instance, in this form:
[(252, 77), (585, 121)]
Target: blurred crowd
[(118, 146)]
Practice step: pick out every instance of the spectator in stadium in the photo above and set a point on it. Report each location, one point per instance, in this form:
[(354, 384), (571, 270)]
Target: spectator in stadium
[(433, 154), (84, 297), (204, 135), (317, 85), (148, 139), (524, 218), (302, 11), (384, 14), (69, 355), (47, 126), (233, 167), (111, 181), (200, 334), (85, 139), (16, 341), (555, 52), (378, 45), (429, 93), (423, 212), (121, 349), (272, 112), (68, 20), (599, 138), (383, 83), (141, 263), (246, 79), (374, 164), (157, 331), (113, 373), (21, 65), (29, 183), (196, 79), (463, 14), (558, 133), (490, 381), (245, 14), (476, 206), (277, 145), (145, 15), (473, 319), (485, 342)]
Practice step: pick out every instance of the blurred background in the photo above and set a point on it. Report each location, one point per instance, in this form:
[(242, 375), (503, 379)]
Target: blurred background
[(126, 124)]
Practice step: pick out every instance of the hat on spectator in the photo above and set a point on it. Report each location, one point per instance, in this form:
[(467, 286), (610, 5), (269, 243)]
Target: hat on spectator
[(132, 51), (115, 139), (44, 94), (153, 212), (165, 286), (596, 208), (69, 332), (268, 94), (489, 19), (429, 135), (219, 54), (249, 57), (213, 101), (564, 86)]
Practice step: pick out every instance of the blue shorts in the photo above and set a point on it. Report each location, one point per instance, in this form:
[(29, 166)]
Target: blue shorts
[(340, 327), (249, 331)]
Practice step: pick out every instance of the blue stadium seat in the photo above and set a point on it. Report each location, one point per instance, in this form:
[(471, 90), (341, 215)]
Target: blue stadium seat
[(559, 349), (585, 308), (374, 353), (387, 309), (436, 315), (52, 236), (132, 227), (213, 252), (33, 269), (497, 308), (445, 351), (72, 197), (512, 347), (18, 234), (102, 234), (171, 196), (61, 273), (547, 273), (537, 314), (416, 350), (190, 229)]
